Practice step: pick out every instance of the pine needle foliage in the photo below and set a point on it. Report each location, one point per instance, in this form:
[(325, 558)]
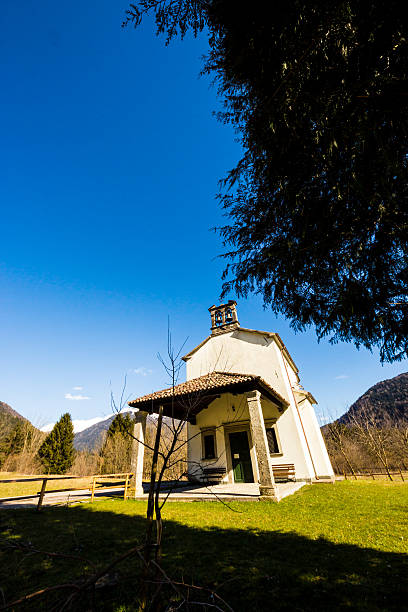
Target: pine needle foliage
[(57, 451), (116, 450), (122, 423), (317, 207)]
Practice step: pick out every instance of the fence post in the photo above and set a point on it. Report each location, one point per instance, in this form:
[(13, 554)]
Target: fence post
[(126, 486), (42, 493), (93, 488)]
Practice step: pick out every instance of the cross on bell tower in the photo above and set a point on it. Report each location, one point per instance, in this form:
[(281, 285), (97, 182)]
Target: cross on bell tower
[(224, 318)]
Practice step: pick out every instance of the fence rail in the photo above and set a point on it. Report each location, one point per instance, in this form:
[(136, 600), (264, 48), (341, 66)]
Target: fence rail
[(100, 477), (363, 472), (125, 476)]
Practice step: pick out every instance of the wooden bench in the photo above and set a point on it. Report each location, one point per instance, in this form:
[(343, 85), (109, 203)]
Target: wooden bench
[(284, 472), (213, 475)]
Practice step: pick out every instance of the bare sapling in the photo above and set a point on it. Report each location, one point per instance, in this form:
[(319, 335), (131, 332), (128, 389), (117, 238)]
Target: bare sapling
[(375, 438), (338, 437), (167, 452)]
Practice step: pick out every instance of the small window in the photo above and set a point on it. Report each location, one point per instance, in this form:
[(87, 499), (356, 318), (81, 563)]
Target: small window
[(272, 440), (209, 446)]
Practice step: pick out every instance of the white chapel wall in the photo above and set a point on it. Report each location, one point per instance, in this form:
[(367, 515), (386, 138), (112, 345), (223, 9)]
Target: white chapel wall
[(240, 352), (252, 353), (319, 452)]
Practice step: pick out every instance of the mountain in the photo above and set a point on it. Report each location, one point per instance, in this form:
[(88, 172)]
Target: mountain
[(7, 411), (386, 402), (91, 438), (79, 424), (9, 419)]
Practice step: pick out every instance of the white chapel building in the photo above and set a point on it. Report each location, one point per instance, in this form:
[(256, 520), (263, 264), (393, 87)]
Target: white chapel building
[(248, 417)]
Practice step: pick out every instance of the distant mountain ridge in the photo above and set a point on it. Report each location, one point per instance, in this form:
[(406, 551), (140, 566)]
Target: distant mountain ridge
[(5, 409), (386, 402), (91, 438)]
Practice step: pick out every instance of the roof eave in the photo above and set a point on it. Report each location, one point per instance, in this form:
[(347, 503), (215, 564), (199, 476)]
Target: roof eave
[(191, 353), (256, 383), (307, 395)]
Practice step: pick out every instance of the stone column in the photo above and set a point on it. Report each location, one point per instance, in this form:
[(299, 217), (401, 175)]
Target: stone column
[(259, 440), (139, 431)]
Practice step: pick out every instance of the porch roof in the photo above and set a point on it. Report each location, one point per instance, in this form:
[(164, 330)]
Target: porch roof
[(187, 399)]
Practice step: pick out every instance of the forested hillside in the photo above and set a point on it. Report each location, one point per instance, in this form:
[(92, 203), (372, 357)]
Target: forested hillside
[(386, 403), (373, 433), (6, 410), (16, 432)]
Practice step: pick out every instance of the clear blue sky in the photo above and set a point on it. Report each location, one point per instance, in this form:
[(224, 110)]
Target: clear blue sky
[(109, 165)]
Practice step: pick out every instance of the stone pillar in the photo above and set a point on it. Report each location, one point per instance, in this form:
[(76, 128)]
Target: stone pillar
[(139, 431), (259, 440)]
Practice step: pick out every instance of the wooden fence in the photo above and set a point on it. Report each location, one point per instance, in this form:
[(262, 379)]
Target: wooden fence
[(372, 472), (96, 480)]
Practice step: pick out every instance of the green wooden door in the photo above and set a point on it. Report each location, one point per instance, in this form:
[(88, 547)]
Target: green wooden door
[(241, 457)]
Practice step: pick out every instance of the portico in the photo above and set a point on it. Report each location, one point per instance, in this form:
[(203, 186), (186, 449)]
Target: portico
[(225, 426)]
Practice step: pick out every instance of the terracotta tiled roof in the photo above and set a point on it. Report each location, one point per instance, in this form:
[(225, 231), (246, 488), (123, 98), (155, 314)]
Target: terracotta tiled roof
[(209, 384)]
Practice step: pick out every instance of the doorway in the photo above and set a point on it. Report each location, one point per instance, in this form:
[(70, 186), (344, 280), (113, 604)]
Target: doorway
[(241, 457)]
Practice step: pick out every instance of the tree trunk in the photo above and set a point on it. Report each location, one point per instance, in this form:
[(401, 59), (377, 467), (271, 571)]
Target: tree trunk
[(150, 514)]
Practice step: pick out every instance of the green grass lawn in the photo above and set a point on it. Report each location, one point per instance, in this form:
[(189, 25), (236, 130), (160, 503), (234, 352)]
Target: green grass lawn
[(340, 547)]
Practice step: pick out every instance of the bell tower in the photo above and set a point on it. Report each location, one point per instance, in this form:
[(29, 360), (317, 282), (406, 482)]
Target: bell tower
[(224, 318)]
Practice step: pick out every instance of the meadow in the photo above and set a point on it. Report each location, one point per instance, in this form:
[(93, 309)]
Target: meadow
[(340, 547)]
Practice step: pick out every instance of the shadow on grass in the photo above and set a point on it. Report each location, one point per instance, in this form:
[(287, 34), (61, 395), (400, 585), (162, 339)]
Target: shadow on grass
[(251, 570)]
